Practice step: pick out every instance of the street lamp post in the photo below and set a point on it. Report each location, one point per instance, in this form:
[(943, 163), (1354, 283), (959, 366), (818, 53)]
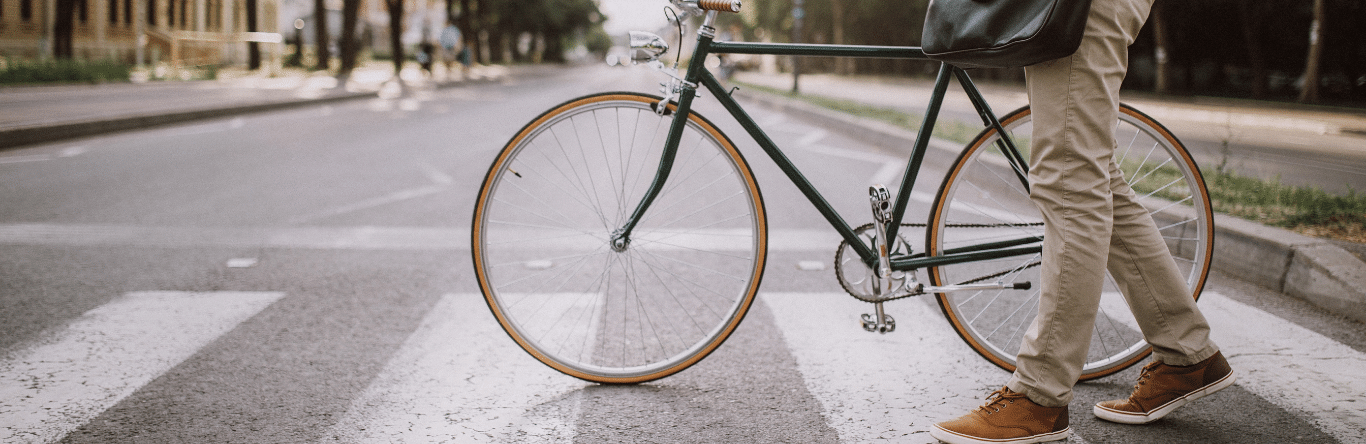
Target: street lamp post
[(298, 43)]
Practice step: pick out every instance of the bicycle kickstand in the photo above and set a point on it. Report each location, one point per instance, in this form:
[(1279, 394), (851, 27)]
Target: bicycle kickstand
[(883, 281)]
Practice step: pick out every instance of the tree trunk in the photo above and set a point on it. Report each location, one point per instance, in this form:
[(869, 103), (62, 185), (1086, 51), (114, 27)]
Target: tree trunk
[(1161, 49), (350, 45), (553, 47), (253, 48), (321, 36), (1310, 93), (1252, 14), (396, 32), (467, 30), (843, 65)]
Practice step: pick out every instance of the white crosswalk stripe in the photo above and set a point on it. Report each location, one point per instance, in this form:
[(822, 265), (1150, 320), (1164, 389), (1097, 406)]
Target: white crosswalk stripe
[(892, 387), (876, 387), (1291, 366), (68, 376), (459, 378)]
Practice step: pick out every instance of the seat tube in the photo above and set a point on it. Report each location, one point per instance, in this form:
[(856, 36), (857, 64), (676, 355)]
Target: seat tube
[(922, 144), (621, 238)]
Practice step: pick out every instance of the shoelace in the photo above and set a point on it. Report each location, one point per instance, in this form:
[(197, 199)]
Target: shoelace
[(1145, 375), (995, 399)]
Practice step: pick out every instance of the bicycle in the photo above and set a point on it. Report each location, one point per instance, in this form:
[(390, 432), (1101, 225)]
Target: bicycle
[(640, 275)]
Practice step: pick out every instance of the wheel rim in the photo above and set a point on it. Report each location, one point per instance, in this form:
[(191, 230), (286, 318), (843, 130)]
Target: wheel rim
[(545, 218), (1162, 175)]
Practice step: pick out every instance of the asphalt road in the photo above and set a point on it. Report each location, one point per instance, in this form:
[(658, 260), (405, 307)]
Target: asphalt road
[(304, 276)]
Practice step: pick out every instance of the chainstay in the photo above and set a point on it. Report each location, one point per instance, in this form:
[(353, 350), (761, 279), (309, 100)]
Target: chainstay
[(921, 293)]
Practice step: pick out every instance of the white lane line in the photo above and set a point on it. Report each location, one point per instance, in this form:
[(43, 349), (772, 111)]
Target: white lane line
[(815, 135), (875, 387), (72, 374), (1291, 366), (435, 175), (459, 378), (24, 159), (345, 238), (395, 197)]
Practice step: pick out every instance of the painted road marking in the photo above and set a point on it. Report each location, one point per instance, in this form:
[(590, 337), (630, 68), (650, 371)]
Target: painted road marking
[(459, 378), (894, 386), (1291, 366), (70, 375), (874, 387), (335, 238)]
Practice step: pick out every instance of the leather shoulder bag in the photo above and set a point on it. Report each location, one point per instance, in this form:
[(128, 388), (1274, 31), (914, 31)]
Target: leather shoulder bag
[(1003, 33)]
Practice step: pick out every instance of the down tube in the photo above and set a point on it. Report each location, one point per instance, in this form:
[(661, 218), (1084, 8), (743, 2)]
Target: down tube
[(714, 86)]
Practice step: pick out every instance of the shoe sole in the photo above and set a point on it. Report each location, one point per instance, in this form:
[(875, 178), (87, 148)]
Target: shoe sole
[(949, 437), (1123, 417)]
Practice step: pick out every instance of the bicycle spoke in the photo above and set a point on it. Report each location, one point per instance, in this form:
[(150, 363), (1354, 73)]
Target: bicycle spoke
[(544, 253)]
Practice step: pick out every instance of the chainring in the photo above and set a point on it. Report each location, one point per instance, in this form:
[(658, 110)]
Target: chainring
[(856, 277)]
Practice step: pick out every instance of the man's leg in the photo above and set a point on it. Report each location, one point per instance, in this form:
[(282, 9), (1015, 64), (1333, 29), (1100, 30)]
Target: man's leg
[(1155, 289), (1075, 102), (1188, 365)]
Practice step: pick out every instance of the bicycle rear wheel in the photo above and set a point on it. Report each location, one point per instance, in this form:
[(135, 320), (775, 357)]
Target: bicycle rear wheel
[(545, 217), (983, 199)]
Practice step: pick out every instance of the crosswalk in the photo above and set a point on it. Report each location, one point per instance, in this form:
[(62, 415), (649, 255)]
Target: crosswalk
[(459, 378), (63, 379)]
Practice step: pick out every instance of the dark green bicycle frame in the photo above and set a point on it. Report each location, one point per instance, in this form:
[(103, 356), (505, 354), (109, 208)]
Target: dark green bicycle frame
[(698, 75)]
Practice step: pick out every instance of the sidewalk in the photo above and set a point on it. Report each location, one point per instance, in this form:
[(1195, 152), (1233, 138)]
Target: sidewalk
[(1316, 270), (41, 114)]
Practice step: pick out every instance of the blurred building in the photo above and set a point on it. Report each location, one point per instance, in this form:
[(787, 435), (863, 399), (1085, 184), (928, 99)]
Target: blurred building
[(180, 32)]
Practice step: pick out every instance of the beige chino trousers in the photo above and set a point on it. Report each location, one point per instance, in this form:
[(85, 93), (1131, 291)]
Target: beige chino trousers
[(1092, 220)]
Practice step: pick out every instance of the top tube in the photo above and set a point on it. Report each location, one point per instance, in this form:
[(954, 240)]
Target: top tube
[(798, 49)]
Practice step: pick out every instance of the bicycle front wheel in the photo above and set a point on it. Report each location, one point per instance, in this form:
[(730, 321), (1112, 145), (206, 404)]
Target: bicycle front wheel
[(544, 221), (984, 199)]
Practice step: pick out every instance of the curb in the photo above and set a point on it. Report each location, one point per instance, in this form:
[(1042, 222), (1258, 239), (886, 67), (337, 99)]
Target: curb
[(19, 137), (1302, 267), (24, 136)]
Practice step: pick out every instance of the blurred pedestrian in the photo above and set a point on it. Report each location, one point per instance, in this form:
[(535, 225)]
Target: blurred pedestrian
[(1093, 222), (453, 48), (425, 54)]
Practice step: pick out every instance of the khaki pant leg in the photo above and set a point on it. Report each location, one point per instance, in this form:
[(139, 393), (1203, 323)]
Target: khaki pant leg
[(1146, 273), (1075, 102)]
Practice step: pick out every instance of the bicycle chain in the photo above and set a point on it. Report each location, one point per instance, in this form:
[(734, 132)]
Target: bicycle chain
[(845, 243)]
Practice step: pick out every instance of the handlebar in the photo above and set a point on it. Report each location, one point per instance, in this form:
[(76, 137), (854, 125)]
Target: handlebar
[(719, 5)]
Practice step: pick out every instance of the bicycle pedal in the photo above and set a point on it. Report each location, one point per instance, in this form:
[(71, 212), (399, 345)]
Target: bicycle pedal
[(888, 324)]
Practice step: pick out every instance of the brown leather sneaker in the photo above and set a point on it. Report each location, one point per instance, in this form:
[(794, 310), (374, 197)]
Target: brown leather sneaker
[(1007, 417), (1162, 388)]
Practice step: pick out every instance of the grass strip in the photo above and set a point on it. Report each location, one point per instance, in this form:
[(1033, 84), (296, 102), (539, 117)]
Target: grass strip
[(1306, 210)]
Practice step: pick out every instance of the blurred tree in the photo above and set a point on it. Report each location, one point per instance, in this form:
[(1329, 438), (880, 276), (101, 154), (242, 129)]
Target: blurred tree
[(1161, 44), (395, 8), (843, 65), (1253, 15), (350, 42), (548, 24), (253, 48), (1310, 91), (466, 24), (321, 36)]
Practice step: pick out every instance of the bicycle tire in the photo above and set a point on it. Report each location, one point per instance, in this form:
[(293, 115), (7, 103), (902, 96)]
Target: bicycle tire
[(543, 222), (982, 197)]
